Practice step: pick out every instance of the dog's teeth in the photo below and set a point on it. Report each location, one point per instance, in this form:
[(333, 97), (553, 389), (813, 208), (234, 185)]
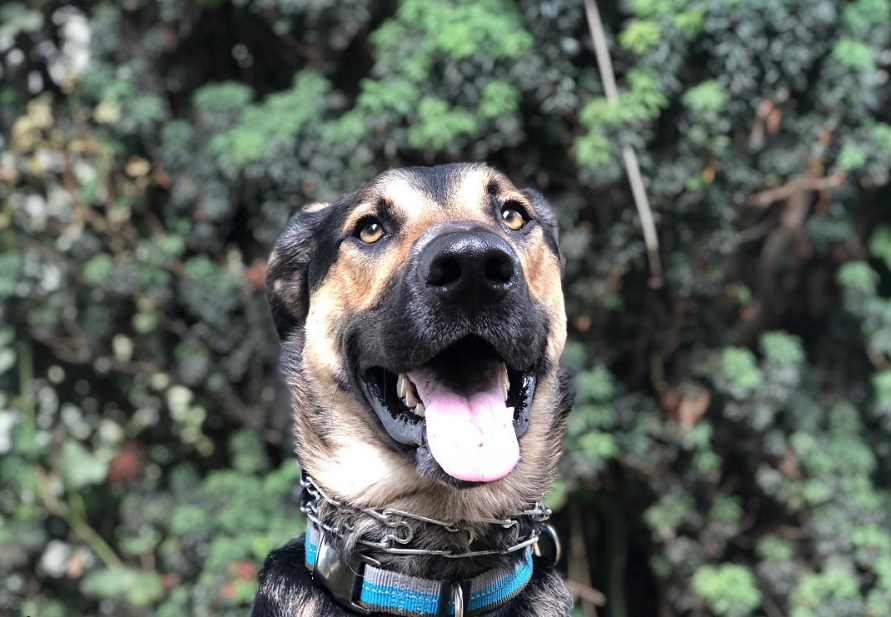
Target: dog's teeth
[(505, 382), (401, 385), (420, 410), (411, 399)]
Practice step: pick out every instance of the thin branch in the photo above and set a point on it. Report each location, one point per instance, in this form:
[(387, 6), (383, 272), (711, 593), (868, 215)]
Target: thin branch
[(770, 196), (635, 179), (72, 513), (586, 593), (579, 570)]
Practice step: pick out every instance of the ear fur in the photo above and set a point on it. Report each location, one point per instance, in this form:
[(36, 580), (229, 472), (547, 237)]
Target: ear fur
[(548, 217), (286, 277)]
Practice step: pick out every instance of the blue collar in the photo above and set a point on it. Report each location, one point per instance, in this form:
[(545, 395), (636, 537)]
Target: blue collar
[(363, 586)]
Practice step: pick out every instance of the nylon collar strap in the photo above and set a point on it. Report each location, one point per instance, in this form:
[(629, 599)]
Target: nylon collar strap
[(363, 586)]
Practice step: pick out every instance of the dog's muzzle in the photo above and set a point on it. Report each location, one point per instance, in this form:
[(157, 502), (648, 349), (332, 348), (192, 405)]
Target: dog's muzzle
[(456, 377)]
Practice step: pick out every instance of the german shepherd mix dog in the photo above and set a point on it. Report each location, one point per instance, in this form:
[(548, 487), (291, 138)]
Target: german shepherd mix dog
[(422, 322)]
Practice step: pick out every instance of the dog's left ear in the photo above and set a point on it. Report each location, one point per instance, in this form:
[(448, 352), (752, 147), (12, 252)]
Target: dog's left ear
[(548, 217), (287, 290)]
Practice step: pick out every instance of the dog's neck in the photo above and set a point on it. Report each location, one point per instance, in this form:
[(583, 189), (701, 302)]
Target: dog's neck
[(421, 546)]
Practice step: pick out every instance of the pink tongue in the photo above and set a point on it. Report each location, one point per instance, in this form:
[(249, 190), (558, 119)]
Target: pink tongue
[(470, 431)]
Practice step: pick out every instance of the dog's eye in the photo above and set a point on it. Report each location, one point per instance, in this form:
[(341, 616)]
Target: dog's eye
[(370, 230), (514, 216)]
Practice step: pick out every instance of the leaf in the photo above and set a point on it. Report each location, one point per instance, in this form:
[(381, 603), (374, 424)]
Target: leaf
[(709, 96), (226, 98), (782, 349), (16, 18), (97, 269), (7, 359), (80, 467), (640, 35), (853, 54), (880, 244), (728, 590), (851, 157), (438, 124), (140, 588), (499, 98), (858, 277)]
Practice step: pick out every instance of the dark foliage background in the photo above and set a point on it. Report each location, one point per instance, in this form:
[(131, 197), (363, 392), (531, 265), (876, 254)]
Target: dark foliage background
[(729, 453)]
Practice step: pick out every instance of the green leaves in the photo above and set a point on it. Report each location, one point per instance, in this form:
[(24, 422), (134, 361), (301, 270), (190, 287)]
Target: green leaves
[(707, 97), (498, 98), (728, 590), (825, 594), (16, 17), (880, 244), (457, 29), (229, 98), (260, 126), (80, 467), (739, 373), (858, 278), (642, 102), (137, 587), (781, 350), (639, 35), (854, 55), (439, 125)]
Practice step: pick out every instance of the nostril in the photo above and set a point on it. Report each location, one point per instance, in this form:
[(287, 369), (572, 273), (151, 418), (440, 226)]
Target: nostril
[(444, 271), (499, 268)]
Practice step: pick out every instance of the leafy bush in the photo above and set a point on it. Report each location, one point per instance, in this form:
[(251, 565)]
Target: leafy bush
[(728, 454)]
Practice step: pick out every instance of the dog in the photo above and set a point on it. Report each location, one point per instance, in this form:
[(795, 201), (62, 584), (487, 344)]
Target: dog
[(421, 321)]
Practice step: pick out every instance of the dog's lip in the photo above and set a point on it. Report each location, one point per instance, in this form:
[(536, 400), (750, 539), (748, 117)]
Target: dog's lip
[(379, 383)]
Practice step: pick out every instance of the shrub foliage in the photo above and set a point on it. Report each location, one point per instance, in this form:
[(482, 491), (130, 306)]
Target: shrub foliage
[(729, 452)]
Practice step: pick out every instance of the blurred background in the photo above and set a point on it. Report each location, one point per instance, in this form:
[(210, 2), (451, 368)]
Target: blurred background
[(729, 452)]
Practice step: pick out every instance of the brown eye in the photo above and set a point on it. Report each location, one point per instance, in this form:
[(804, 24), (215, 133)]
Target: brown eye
[(370, 231), (513, 216)]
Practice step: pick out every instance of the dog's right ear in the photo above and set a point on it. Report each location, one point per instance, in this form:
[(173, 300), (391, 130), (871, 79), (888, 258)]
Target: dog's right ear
[(286, 271)]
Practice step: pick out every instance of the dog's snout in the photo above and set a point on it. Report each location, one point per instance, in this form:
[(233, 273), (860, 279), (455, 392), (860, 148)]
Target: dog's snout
[(468, 267)]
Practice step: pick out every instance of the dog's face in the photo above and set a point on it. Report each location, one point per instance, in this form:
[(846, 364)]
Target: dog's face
[(422, 322)]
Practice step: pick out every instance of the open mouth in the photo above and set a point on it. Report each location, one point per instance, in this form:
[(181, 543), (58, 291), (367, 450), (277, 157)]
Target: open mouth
[(466, 405)]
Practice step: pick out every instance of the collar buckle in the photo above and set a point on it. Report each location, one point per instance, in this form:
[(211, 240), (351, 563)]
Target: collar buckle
[(340, 574)]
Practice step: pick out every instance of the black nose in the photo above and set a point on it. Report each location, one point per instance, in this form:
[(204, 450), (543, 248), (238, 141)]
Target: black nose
[(474, 268)]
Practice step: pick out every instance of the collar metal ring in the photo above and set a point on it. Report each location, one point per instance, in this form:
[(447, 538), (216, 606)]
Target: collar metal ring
[(458, 599)]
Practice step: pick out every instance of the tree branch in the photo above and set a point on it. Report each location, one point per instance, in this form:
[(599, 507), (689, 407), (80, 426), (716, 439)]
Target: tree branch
[(635, 179), (770, 196)]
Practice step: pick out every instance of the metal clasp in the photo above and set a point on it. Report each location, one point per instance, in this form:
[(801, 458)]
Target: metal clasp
[(558, 549), (342, 576)]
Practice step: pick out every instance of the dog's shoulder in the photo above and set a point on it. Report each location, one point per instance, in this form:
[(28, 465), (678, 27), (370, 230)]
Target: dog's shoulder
[(286, 587)]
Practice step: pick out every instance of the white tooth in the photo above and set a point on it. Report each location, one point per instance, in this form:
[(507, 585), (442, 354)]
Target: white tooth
[(411, 399), (420, 410), (505, 382), (510, 410), (401, 385)]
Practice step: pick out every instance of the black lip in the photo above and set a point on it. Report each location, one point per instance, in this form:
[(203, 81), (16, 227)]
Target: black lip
[(378, 385), (403, 426)]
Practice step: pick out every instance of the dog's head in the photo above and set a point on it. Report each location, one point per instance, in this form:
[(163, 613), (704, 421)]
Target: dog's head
[(422, 322)]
